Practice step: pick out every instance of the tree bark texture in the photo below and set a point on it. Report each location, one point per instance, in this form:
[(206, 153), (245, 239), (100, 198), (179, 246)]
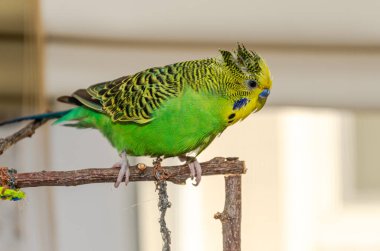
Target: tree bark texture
[(140, 172), (231, 215)]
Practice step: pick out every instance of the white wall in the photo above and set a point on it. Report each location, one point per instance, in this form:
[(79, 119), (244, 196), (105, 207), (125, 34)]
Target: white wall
[(261, 21)]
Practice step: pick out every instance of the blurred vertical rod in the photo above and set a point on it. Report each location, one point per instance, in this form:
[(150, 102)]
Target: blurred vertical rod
[(34, 101), (231, 215)]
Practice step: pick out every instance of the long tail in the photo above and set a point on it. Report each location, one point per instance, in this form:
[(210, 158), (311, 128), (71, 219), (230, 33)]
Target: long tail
[(49, 115)]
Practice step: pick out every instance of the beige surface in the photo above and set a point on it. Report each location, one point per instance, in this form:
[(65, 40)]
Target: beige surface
[(12, 16), (261, 21), (368, 154)]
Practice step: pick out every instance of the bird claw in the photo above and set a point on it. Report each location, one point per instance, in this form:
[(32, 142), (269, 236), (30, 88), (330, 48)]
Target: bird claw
[(192, 170), (124, 170), (195, 171), (195, 168)]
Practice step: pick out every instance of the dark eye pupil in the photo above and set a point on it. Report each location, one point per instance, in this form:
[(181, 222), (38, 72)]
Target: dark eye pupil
[(252, 83)]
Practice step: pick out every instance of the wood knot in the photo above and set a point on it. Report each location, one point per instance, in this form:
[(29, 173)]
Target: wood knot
[(223, 217), (141, 167)]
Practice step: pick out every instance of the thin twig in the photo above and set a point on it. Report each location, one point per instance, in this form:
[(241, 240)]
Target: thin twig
[(176, 174), (24, 132), (231, 215)]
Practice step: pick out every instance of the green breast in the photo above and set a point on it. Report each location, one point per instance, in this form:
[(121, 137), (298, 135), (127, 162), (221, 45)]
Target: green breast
[(183, 124)]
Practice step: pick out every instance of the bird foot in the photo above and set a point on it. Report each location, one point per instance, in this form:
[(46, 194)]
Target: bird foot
[(124, 170), (195, 168), (195, 171)]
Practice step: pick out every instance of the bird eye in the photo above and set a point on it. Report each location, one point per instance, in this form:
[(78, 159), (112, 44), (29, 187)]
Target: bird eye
[(252, 83)]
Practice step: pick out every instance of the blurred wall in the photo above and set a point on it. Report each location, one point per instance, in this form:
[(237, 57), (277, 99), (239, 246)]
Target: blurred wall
[(22, 92), (12, 54)]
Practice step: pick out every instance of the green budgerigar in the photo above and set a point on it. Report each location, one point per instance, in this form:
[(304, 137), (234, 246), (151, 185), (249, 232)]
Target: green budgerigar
[(171, 110)]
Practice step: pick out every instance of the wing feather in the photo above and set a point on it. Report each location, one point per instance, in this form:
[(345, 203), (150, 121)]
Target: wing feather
[(133, 98), (136, 97)]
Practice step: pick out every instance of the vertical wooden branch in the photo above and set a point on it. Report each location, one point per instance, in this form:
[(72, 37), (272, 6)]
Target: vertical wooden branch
[(231, 215)]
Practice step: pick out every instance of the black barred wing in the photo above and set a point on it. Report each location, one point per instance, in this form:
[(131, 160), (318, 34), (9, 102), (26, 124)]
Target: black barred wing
[(134, 98)]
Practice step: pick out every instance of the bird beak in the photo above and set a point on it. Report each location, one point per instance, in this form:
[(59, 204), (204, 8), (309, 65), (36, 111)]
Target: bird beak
[(262, 99), (260, 103)]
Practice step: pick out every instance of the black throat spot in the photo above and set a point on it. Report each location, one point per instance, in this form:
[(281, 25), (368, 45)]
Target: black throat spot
[(231, 118)]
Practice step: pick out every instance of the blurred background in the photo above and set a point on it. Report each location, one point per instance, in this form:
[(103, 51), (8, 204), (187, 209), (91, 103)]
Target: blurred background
[(313, 180)]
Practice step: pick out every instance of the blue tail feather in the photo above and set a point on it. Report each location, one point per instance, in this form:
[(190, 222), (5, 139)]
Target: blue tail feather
[(49, 115)]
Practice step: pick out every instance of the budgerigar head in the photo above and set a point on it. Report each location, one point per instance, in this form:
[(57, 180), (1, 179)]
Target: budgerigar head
[(250, 80)]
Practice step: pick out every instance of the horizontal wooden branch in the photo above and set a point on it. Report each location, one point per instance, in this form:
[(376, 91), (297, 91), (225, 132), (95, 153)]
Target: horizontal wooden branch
[(176, 174)]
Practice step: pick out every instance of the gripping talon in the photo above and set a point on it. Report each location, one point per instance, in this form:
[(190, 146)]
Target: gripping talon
[(195, 168), (120, 176), (198, 170), (124, 170), (192, 170)]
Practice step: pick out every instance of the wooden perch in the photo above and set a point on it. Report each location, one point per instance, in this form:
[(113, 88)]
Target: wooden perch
[(176, 174), (232, 168)]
